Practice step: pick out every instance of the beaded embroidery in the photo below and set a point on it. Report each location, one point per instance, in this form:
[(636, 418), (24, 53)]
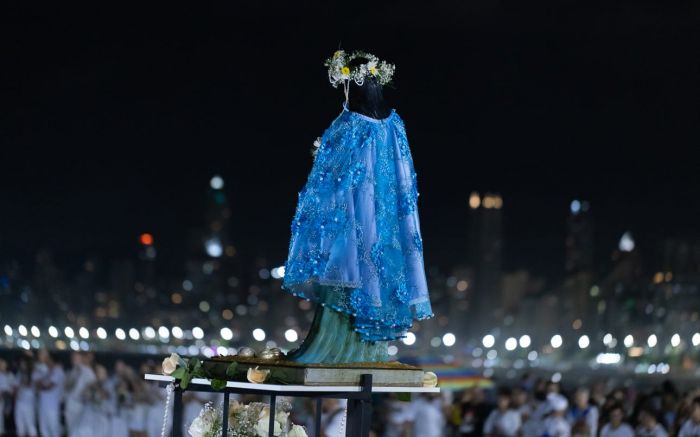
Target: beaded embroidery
[(356, 245)]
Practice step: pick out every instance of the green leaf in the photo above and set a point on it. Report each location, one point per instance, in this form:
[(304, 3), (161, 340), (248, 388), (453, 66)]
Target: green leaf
[(194, 363), (405, 397), (178, 373), (185, 381), (218, 384), (231, 369), (198, 370)]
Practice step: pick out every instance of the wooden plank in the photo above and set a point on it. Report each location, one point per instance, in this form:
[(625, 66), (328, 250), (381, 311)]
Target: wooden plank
[(380, 377)]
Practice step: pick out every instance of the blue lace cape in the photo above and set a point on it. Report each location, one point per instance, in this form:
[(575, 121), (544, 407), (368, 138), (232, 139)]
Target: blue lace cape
[(356, 245)]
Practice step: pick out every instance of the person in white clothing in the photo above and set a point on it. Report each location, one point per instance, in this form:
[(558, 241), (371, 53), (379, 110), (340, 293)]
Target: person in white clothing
[(583, 417), (555, 425), (94, 420), (333, 417), (520, 402), (121, 399), (399, 416), (428, 418), (616, 427), (154, 412), (25, 399), (141, 399), (649, 425), (532, 427), (79, 378), (7, 384), (503, 421), (691, 427), (50, 390)]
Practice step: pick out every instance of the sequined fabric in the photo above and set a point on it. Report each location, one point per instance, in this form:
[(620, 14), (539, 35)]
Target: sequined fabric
[(356, 245)]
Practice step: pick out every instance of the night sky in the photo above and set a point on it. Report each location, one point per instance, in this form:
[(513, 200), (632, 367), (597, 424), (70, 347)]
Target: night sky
[(114, 118)]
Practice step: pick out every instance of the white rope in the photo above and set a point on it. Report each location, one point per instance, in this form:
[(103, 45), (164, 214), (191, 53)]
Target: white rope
[(341, 430), (169, 390)]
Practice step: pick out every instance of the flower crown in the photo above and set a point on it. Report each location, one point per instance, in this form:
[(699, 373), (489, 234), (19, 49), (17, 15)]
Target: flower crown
[(340, 71)]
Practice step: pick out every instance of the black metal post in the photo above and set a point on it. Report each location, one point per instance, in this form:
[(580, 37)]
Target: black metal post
[(319, 405), (351, 428), (366, 405), (224, 421), (273, 401), (177, 412), (360, 410)]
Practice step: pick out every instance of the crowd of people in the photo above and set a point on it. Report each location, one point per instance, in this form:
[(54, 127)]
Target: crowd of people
[(39, 397), (542, 409)]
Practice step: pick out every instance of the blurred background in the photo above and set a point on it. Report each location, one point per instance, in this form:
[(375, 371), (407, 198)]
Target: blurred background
[(152, 156)]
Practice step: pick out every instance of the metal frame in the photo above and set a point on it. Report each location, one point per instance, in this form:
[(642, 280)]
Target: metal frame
[(359, 400)]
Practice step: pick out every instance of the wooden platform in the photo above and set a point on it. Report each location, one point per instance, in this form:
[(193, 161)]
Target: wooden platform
[(389, 374)]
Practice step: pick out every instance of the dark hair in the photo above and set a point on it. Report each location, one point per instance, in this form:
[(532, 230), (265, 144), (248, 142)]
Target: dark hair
[(505, 392), (368, 98), (696, 400), (616, 406), (668, 387), (649, 410)]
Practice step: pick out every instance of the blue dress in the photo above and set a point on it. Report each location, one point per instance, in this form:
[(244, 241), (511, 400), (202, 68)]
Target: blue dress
[(356, 245)]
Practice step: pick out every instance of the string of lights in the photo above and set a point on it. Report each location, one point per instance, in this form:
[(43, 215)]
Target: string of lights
[(196, 341)]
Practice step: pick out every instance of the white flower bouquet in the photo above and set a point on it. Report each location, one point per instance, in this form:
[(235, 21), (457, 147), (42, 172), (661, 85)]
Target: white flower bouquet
[(245, 420)]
